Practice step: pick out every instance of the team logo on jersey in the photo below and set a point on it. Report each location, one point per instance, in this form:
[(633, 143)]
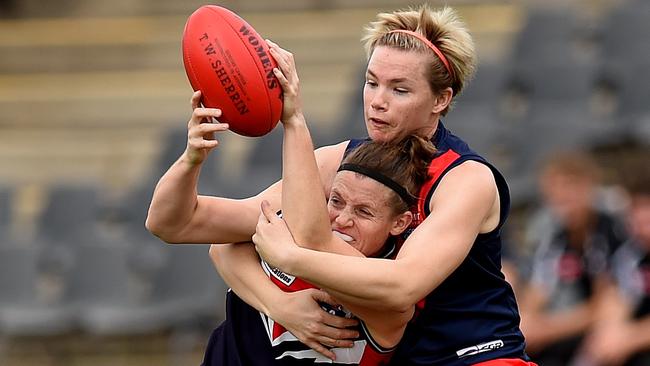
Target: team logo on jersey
[(479, 348), (279, 335), (284, 278)]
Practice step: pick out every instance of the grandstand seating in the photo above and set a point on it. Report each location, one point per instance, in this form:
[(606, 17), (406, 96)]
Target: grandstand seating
[(29, 300), (5, 209)]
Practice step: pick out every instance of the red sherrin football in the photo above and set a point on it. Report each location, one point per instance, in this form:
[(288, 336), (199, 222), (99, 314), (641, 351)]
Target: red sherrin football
[(229, 62)]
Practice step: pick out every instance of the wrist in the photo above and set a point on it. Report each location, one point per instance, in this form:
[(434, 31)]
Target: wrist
[(274, 305), (292, 260), (296, 120), (191, 159)]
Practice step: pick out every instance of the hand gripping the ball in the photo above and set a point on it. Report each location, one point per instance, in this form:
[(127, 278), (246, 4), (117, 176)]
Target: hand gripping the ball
[(201, 130), (288, 77)]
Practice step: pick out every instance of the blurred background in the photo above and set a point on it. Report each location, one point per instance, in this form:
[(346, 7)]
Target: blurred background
[(94, 104)]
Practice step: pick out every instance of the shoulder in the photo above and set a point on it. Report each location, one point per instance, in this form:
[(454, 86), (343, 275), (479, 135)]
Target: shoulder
[(328, 159), (332, 151), (468, 191), (468, 178)]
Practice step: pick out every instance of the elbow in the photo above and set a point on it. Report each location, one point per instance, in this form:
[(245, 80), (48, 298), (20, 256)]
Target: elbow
[(155, 228), (152, 226), (214, 254), (311, 238), (158, 230), (401, 304), (400, 297)]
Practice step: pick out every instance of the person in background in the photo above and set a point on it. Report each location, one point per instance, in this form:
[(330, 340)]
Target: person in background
[(571, 259), (622, 334)]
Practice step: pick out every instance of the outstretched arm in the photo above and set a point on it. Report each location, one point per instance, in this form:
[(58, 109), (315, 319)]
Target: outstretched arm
[(304, 206), (177, 214), (303, 197)]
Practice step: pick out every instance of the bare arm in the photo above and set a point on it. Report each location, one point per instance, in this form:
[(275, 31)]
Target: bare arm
[(299, 311), (616, 336), (304, 206), (542, 327), (303, 197), (177, 214), (465, 204)]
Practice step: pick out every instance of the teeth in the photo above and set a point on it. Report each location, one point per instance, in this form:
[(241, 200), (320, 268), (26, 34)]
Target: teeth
[(346, 238)]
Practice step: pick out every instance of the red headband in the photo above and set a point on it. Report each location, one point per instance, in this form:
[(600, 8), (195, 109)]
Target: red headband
[(433, 47)]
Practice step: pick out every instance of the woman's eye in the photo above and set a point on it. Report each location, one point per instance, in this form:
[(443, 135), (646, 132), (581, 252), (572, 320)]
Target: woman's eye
[(401, 91), (365, 213), (371, 83)]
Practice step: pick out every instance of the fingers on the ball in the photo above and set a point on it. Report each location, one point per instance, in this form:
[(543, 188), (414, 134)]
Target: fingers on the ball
[(200, 113), (201, 143), (281, 78), (207, 144), (196, 99), (204, 128), (282, 57), (278, 57)]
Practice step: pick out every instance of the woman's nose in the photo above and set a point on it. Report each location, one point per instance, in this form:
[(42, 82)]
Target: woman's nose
[(343, 219), (378, 102)]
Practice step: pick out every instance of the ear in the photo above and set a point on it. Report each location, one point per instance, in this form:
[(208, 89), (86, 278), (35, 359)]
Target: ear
[(401, 223), (442, 100)]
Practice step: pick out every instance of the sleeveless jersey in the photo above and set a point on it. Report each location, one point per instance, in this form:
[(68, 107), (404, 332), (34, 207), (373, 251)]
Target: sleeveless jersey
[(288, 349), (248, 337), (472, 316)]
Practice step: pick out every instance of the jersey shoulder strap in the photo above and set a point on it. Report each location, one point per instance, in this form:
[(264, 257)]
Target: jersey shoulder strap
[(437, 167)]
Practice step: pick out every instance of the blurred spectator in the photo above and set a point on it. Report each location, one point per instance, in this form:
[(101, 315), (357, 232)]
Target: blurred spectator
[(573, 245), (622, 336)]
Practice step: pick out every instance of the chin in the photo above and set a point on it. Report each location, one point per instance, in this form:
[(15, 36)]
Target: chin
[(380, 136)]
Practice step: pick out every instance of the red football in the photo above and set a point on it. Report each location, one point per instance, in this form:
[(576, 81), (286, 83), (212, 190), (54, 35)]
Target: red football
[(229, 62)]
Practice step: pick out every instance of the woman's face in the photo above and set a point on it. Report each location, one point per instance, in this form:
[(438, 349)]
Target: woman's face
[(570, 197), (359, 212), (397, 98)]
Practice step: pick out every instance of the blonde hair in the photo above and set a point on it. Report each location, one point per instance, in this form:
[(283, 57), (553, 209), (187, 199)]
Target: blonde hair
[(443, 28)]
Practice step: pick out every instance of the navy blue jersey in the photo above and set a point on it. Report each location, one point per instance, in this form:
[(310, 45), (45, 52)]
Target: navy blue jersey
[(248, 337), (472, 315), (240, 340)]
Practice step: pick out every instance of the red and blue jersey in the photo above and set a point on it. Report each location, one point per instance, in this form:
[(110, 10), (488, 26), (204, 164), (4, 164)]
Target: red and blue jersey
[(290, 351), (472, 316), (248, 337)]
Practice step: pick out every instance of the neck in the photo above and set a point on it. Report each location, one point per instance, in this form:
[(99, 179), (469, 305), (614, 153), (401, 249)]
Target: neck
[(431, 130)]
